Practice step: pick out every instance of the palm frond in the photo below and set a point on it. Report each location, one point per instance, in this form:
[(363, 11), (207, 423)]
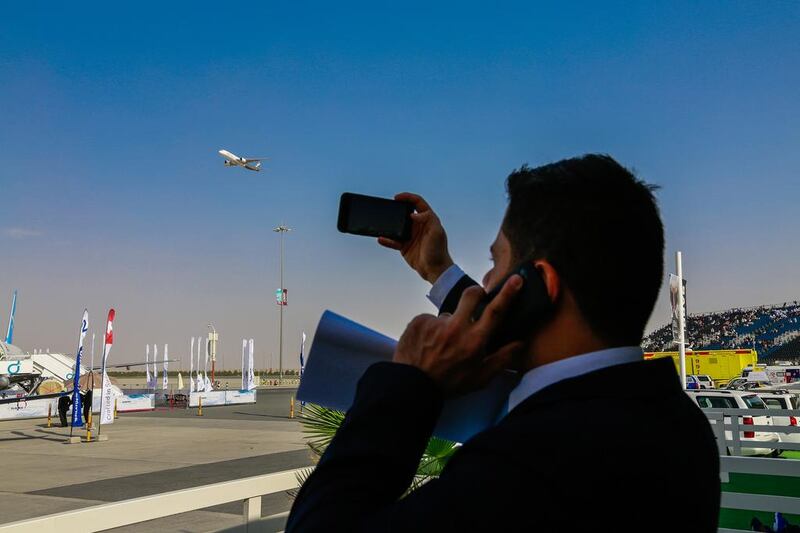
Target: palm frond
[(320, 424)]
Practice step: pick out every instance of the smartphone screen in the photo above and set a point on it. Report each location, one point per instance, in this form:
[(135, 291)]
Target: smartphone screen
[(375, 217)]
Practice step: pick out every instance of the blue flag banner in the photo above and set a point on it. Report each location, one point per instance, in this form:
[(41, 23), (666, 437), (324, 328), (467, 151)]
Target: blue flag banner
[(77, 421), (302, 362), (10, 331)]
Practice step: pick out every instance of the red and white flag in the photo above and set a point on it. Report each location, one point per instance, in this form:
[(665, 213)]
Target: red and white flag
[(107, 395)]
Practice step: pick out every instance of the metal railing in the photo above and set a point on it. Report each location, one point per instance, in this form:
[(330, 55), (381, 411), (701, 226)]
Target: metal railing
[(110, 515)]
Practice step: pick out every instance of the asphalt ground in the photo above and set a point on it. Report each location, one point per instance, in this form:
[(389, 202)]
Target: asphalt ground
[(150, 453)]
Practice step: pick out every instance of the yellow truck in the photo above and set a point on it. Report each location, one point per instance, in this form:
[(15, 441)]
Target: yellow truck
[(721, 365)]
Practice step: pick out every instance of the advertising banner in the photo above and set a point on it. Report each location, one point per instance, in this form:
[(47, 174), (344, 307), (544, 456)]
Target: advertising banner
[(191, 365), (165, 381), (673, 300), (77, 421), (107, 393), (251, 377), (147, 365), (34, 408), (221, 397), (136, 402), (200, 383)]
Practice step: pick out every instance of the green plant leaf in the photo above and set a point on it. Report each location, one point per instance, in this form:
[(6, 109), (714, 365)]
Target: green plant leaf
[(320, 425)]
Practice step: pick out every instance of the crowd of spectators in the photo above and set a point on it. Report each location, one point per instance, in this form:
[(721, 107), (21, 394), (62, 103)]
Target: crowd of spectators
[(764, 328)]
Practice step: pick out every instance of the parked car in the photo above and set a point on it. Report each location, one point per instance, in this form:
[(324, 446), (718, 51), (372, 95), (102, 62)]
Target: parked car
[(735, 382), (732, 399), (745, 384), (782, 399), (704, 381), (692, 383)]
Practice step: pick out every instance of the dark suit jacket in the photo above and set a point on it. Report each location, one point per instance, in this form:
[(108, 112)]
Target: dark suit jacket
[(618, 449)]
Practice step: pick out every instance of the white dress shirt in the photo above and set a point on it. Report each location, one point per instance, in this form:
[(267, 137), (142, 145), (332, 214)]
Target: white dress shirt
[(540, 377)]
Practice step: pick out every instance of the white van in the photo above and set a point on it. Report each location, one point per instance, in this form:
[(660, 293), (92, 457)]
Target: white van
[(732, 399)]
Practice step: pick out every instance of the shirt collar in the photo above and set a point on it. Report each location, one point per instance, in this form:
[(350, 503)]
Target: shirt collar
[(543, 376)]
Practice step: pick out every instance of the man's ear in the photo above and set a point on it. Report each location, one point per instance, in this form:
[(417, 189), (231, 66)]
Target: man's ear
[(551, 278)]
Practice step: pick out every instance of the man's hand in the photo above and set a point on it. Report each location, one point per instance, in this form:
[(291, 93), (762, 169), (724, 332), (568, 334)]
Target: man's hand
[(426, 251), (452, 349)]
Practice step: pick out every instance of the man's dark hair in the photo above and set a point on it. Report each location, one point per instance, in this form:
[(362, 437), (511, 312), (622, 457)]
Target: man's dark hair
[(600, 228)]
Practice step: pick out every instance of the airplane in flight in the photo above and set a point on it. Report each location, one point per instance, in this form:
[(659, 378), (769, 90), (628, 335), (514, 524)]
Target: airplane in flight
[(233, 160)]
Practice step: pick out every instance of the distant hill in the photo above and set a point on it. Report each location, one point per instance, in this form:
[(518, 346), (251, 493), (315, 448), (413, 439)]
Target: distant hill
[(774, 331)]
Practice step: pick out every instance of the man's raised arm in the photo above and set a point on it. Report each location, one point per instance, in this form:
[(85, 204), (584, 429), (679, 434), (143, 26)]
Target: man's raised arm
[(427, 254)]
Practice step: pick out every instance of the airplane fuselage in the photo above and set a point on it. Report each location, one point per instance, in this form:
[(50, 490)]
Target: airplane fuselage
[(233, 160)]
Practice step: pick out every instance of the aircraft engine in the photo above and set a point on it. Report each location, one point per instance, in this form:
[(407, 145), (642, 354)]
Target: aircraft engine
[(4, 382)]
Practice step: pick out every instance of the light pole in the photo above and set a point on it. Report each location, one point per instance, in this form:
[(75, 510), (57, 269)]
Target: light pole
[(212, 348), (282, 301)]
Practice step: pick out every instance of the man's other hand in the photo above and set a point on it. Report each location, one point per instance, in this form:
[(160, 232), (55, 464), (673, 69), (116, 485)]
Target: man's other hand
[(451, 349), (426, 251)]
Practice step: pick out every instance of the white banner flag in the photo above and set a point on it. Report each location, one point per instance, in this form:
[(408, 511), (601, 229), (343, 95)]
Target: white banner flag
[(155, 368), (165, 382), (207, 382), (191, 366), (673, 299), (180, 381), (147, 364), (201, 384), (107, 395), (92, 367), (244, 370), (251, 378)]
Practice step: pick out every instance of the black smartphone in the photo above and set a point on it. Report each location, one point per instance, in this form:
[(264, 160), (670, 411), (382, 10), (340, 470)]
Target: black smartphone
[(530, 307), (375, 217)]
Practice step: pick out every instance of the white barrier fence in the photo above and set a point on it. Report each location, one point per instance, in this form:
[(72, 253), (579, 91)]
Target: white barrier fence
[(110, 515), (759, 502), (222, 397), (249, 492), (726, 424), (39, 408), (729, 427)]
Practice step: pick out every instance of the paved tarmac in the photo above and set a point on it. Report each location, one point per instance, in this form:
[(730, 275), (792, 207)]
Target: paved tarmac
[(150, 453)]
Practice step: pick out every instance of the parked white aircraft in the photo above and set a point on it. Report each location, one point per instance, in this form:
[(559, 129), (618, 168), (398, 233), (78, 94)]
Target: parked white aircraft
[(233, 160)]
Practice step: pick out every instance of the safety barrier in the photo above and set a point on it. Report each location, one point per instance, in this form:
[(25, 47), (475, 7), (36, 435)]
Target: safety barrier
[(110, 515), (759, 502), (729, 428), (726, 423)]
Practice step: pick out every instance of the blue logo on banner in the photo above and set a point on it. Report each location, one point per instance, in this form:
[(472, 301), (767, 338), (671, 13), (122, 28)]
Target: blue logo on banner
[(77, 420)]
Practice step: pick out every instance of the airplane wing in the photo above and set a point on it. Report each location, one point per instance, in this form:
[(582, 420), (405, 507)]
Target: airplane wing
[(33, 397), (125, 365), (254, 159)]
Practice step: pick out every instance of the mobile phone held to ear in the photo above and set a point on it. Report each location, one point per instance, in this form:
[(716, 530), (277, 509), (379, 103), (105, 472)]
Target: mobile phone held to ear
[(530, 306), (375, 217)]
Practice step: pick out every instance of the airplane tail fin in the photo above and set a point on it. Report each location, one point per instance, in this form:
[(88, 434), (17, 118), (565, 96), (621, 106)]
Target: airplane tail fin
[(10, 331)]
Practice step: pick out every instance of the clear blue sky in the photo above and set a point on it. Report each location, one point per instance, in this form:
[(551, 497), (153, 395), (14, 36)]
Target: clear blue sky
[(113, 194)]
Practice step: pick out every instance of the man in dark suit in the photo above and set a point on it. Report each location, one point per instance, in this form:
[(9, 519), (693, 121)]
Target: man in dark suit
[(86, 403), (64, 403), (595, 438)]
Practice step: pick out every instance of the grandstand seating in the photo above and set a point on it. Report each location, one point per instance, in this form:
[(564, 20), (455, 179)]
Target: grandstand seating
[(773, 330), (789, 351)]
